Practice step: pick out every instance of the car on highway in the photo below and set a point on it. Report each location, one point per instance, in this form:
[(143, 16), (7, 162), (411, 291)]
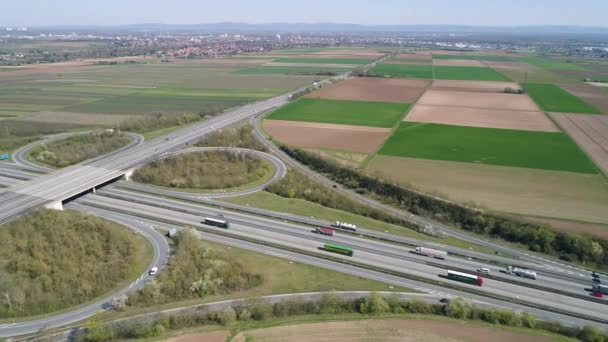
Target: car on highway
[(483, 270), (153, 271)]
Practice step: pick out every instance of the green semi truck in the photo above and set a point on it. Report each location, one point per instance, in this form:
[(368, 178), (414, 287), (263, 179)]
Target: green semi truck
[(339, 249)]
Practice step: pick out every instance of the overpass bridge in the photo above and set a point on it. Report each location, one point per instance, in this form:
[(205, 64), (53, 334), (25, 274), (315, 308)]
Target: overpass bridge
[(53, 189)]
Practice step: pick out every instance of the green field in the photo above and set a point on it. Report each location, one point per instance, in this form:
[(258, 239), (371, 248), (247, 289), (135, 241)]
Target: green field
[(295, 70), (474, 57), (527, 149), (323, 60), (404, 70), (358, 113), (467, 73), (550, 64), (552, 98)]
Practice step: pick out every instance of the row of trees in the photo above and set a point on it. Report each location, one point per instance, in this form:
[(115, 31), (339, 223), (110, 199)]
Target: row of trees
[(77, 148), (567, 246), (194, 271), (296, 185), (330, 304), (50, 260), (204, 170), (154, 122)]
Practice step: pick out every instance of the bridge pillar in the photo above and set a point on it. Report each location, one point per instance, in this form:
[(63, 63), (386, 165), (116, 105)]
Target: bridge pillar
[(57, 205), (128, 175)]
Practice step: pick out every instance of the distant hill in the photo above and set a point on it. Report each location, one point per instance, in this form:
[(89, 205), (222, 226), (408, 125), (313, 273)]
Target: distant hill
[(336, 28)]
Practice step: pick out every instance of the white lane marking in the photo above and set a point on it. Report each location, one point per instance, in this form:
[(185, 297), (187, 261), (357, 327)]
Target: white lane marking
[(4, 326)]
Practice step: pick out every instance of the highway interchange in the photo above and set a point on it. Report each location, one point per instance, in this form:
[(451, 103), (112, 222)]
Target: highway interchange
[(379, 256)]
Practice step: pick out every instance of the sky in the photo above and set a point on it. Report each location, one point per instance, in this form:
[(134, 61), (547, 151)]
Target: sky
[(367, 12)]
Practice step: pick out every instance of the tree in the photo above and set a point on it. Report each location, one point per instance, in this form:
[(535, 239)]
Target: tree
[(590, 333)]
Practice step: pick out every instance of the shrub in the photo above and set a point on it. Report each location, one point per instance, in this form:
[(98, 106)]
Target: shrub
[(458, 308), (226, 316), (374, 304), (244, 314), (591, 333), (527, 320), (417, 306), (329, 303), (260, 309)]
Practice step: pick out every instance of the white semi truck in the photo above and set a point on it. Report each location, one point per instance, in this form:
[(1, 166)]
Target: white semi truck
[(521, 272), (431, 252)]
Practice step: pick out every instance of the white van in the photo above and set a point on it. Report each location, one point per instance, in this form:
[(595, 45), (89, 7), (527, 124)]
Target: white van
[(153, 271)]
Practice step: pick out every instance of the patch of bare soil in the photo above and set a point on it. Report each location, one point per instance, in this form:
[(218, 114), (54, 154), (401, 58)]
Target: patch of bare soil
[(593, 95), (374, 89), (318, 135), (473, 86), (388, 330), (590, 133), (311, 65), (213, 336), (475, 117), (458, 62), (478, 100)]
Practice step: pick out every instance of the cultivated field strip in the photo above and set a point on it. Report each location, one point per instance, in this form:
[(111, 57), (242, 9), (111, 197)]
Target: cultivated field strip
[(590, 132)]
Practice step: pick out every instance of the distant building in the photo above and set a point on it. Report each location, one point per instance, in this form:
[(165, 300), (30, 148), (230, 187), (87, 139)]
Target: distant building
[(278, 37)]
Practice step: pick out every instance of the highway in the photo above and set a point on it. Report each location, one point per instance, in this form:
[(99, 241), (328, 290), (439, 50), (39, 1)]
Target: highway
[(374, 253), (548, 299), (160, 258)]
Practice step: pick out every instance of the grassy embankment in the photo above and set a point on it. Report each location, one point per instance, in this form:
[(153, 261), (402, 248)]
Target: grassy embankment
[(77, 148), (52, 260), (204, 171)]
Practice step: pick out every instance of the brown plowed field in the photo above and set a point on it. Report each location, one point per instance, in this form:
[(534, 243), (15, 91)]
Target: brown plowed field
[(404, 330), (593, 95), (458, 62), (349, 53), (317, 135), (540, 193), (312, 65), (374, 89), (478, 100), (416, 55), (213, 336), (475, 117), (474, 86), (413, 61), (590, 133)]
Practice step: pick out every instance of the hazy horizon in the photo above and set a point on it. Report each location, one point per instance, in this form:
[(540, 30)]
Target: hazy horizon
[(363, 12)]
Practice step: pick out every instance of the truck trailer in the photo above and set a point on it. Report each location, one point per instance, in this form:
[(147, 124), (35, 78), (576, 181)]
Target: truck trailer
[(346, 226), (521, 272), (325, 231), (339, 249), (431, 252), (216, 223), (465, 278)]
